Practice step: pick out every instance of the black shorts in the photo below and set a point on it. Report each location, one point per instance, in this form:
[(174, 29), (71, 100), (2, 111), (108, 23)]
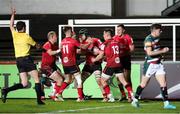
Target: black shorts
[(48, 70), (110, 71), (92, 68), (25, 64), (71, 69), (126, 62)]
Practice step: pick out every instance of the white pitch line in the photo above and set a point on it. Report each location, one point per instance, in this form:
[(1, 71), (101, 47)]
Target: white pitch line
[(84, 109)]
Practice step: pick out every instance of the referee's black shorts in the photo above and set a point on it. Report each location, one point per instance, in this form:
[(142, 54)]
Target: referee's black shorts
[(25, 64)]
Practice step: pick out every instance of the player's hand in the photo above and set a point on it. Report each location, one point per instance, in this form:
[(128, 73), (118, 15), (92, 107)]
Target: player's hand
[(13, 11), (38, 46), (165, 50), (57, 51)]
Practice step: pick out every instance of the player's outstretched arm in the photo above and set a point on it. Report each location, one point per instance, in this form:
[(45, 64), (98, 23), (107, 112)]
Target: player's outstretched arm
[(51, 52), (13, 12)]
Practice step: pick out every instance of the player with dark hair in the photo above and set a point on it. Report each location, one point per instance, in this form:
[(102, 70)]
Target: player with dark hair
[(127, 47), (48, 65), (111, 51), (90, 66), (153, 66), (22, 44), (68, 56)]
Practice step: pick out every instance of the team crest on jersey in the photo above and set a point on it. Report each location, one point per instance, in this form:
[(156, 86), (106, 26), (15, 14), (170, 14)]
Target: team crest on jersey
[(117, 60), (65, 59)]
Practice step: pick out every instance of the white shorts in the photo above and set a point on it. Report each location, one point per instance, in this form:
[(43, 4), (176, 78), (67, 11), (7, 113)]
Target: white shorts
[(155, 69)]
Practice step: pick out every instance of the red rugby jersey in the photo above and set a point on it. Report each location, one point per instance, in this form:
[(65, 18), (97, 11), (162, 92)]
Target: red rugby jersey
[(96, 42), (48, 60), (111, 50), (68, 51)]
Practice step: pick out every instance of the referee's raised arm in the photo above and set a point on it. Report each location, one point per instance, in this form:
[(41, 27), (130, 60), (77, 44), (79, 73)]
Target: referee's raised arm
[(13, 12)]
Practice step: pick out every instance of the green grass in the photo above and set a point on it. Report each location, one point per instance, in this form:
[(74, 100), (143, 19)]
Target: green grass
[(91, 106)]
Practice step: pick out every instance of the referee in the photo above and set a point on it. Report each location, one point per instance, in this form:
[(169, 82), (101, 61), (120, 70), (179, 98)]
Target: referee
[(22, 44)]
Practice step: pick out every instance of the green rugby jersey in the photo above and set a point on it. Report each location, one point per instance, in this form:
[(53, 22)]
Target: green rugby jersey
[(155, 47)]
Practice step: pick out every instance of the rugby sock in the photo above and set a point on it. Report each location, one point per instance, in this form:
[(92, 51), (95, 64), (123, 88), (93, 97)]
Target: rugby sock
[(42, 89), (164, 93), (129, 89), (80, 93), (42, 93), (122, 90), (56, 88), (138, 91), (38, 91), (63, 87), (107, 89), (14, 87)]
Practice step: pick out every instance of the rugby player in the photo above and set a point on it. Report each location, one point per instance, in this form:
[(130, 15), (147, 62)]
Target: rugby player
[(111, 51), (48, 65), (127, 47), (68, 56), (91, 67), (153, 66)]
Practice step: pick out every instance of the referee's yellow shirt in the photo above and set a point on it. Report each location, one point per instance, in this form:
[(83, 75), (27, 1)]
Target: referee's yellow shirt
[(22, 44)]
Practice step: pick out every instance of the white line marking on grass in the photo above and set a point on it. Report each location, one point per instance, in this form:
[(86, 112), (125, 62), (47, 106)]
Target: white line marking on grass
[(93, 108), (85, 109)]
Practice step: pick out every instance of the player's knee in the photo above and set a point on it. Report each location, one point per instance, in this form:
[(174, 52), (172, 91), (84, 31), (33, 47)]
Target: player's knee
[(104, 81), (99, 82), (97, 74), (105, 77), (163, 84), (143, 85), (68, 79), (25, 84)]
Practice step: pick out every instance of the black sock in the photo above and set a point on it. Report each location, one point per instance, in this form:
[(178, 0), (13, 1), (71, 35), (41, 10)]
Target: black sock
[(14, 87), (38, 91), (164, 93), (42, 90), (138, 91)]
